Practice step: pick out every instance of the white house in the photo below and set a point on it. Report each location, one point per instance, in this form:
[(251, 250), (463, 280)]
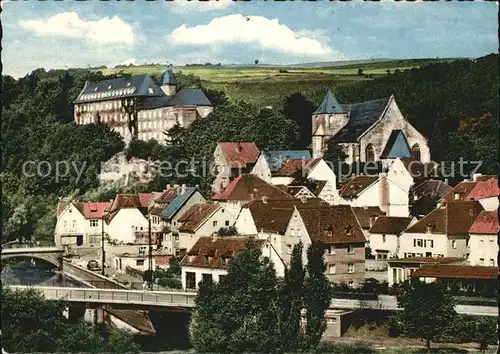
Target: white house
[(444, 232), (209, 258), (80, 224), (313, 170), (202, 220), (483, 240), (382, 191), (384, 235), (126, 216)]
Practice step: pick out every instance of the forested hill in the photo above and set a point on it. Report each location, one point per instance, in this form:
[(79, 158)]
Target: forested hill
[(455, 105)]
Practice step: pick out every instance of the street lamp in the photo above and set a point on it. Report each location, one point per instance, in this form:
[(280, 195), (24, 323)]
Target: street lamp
[(103, 254), (150, 255)]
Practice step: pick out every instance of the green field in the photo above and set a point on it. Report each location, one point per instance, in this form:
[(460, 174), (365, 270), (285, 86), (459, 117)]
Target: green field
[(231, 74)]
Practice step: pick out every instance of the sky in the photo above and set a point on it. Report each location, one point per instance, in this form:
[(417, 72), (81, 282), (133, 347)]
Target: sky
[(67, 34)]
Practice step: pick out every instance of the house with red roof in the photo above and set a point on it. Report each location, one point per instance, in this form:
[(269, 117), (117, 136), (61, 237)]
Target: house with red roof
[(483, 239), (80, 223), (232, 159), (484, 189)]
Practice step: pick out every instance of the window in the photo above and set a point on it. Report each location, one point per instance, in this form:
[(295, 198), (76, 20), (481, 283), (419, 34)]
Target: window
[(139, 262), (66, 223), (491, 241), (332, 249), (482, 241), (350, 249), (467, 243), (206, 277), (190, 280), (350, 284), (215, 223), (383, 238), (370, 153), (226, 223), (350, 268), (332, 269), (332, 320), (292, 232), (431, 243), (289, 249), (94, 223), (419, 243), (415, 151), (454, 244), (492, 262), (221, 278), (74, 224), (481, 260)]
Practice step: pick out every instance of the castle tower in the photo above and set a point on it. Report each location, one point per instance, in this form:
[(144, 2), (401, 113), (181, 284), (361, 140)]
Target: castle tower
[(168, 84), (327, 120)]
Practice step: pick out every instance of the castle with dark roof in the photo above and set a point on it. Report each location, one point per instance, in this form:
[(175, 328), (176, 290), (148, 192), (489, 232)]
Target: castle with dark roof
[(138, 107), (367, 131)]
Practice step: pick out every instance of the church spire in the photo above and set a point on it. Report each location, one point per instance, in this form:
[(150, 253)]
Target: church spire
[(330, 105)]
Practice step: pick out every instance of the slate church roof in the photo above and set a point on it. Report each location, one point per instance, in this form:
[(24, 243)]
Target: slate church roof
[(330, 105), (361, 117)]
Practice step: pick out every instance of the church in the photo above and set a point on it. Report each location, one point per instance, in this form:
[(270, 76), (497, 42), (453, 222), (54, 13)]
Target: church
[(367, 131), (137, 107)]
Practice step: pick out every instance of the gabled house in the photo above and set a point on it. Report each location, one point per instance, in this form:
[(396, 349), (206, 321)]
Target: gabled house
[(210, 256), (486, 193), (367, 131), (270, 162), (385, 233), (297, 191), (444, 232), (382, 191), (202, 220), (80, 223), (338, 231), (126, 216), (232, 159), (484, 239), (305, 171)]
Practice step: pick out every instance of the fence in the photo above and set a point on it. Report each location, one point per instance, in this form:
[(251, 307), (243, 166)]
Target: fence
[(37, 244)]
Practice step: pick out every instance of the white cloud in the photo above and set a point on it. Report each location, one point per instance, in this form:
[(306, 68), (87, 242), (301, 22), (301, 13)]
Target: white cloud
[(239, 29), (185, 6), (106, 30)]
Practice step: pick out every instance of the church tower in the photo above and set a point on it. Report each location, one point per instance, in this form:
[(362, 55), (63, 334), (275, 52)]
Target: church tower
[(168, 84), (327, 120)]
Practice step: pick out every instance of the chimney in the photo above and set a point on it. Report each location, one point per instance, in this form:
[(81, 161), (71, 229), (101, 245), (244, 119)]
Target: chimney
[(183, 189), (446, 180), (239, 148), (168, 186), (383, 192), (475, 176), (373, 218), (466, 180), (264, 200)]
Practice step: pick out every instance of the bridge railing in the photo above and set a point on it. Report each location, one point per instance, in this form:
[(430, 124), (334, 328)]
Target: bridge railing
[(38, 244), (116, 296)]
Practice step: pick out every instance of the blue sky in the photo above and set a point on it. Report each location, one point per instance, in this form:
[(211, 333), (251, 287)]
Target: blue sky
[(63, 34)]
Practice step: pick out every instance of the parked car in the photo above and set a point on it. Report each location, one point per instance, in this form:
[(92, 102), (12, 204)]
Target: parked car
[(93, 265)]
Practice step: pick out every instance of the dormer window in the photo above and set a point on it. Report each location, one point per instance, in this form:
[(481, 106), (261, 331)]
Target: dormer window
[(150, 90), (109, 87), (430, 227), (457, 196), (128, 83), (95, 89), (348, 230)]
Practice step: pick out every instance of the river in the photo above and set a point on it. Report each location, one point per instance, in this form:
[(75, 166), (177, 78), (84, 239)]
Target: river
[(28, 272)]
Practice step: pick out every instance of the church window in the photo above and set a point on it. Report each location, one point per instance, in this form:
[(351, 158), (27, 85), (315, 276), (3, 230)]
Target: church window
[(370, 153), (415, 151)]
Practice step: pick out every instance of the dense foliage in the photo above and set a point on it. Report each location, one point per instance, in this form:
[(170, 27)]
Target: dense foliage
[(31, 324), (427, 311), (251, 310)]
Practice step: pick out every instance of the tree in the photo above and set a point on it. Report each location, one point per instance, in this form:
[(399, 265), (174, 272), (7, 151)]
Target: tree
[(241, 312), (174, 267), (32, 324), (298, 109), (335, 156), (292, 302), (427, 310), (317, 295), (256, 61), (360, 72), (227, 231)]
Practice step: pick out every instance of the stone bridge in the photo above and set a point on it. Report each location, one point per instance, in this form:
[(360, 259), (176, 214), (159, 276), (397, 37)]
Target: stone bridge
[(53, 255)]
